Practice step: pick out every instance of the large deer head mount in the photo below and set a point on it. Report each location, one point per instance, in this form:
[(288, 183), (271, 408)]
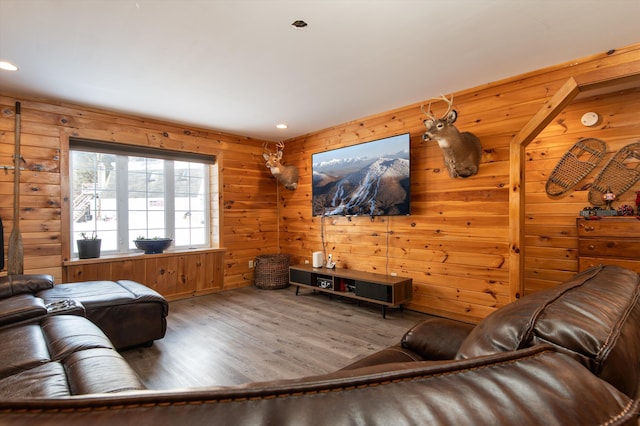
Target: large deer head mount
[(462, 151), (286, 175)]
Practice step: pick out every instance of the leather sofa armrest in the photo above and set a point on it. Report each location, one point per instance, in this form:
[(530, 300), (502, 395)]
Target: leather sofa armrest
[(20, 308), (12, 285), (436, 338), (392, 354)]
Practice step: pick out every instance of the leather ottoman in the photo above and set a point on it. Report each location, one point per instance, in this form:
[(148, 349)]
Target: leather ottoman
[(129, 313)]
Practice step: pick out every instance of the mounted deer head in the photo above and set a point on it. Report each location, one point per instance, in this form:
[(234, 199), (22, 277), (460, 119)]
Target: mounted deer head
[(286, 175), (462, 151)]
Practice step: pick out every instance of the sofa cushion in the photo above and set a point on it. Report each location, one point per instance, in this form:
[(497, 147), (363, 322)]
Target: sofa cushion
[(97, 294), (100, 370), (44, 381), (59, 356), (23, 347), (66, 334), (594, 317)]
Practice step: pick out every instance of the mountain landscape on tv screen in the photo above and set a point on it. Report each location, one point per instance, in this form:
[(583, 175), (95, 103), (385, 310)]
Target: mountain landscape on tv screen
[(377, 186)]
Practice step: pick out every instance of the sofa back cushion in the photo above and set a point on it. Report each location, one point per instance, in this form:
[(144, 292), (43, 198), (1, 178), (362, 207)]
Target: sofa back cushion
[(594, 318), (534, 386), (11, 285)]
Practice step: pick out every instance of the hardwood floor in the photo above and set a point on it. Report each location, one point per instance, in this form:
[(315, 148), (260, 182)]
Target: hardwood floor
[(248, 335)]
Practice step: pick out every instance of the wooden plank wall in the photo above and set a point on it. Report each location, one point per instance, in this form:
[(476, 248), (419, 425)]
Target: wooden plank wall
[(550, 225), (455, 244), (248, 192)]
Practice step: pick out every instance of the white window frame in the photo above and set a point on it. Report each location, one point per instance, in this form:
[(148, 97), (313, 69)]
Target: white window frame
[(123, 153)]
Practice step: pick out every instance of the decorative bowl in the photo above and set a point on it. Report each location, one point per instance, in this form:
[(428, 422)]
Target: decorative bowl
[(153, 245)]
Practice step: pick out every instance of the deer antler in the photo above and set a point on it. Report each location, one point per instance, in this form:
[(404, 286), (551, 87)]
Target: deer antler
[(428, 112), (449, 104), (265, 148), (279, 146)]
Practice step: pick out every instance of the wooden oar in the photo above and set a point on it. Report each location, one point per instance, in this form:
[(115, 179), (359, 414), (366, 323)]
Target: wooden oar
[(16, 250), (1, 244)]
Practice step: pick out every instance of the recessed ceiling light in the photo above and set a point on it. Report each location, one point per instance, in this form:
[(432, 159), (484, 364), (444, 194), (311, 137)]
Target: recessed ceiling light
[(299, 24), (281, 126), (7, 66)]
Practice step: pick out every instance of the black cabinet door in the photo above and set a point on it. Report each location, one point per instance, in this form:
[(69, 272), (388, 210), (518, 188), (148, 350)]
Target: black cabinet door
[(301, 277), (374, 291)]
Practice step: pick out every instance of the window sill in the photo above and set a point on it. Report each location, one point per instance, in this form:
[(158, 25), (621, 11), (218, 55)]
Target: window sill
[(136, 256)]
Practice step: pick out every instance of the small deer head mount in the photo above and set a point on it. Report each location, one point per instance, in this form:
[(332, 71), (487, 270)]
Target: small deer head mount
[(462, 151), (286, 175)]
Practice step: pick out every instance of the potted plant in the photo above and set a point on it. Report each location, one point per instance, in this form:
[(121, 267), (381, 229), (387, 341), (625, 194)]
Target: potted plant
[(89, 246), (152, 245)]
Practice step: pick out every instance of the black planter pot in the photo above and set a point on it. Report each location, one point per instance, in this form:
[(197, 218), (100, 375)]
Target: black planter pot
[(89, 249)]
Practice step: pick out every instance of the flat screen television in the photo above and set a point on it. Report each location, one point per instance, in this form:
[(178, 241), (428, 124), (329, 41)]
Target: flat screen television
[(368, 179)]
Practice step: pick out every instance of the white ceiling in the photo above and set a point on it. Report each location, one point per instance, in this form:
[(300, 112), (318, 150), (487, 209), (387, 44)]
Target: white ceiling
[(239, 67)]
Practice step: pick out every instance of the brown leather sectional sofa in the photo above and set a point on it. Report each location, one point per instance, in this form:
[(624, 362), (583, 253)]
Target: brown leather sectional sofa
[(59, 341), (129, 313), (566, 356)]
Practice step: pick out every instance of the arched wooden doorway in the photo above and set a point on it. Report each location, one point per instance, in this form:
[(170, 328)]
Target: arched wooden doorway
[(610, 78)]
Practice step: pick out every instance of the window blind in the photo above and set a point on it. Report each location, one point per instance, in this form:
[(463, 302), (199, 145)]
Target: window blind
[(89, 145)]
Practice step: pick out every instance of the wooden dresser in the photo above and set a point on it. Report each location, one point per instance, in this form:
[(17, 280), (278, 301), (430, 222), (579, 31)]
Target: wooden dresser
[(609, 240)]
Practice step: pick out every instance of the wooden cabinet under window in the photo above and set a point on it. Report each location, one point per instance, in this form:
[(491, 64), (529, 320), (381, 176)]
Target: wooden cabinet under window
[(175, 275), (609, 240)]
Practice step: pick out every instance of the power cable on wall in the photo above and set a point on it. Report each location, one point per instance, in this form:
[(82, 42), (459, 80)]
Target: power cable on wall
[(387, 264), (388, 236), (322, 230), (278, 213)]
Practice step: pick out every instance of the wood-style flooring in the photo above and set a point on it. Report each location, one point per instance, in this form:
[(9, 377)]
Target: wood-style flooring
[(248, 334)]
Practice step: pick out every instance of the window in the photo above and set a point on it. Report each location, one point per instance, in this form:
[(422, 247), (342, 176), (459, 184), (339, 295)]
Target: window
[(121, 193)]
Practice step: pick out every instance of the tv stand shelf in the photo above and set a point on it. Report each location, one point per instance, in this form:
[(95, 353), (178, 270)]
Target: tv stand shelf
[(385, 290)]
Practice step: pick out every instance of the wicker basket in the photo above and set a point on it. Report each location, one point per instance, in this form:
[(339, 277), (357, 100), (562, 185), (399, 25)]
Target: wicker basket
[(272, 271)]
